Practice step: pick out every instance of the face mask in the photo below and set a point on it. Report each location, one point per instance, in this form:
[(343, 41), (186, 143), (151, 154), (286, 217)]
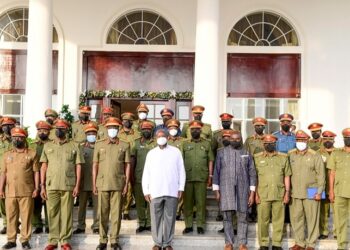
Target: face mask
[(146, 134), (165, 119), (286, 127), (259, 130), (301, 146), (91, 138), (161, 141), (328, 144), (226, 143), (60, 133), (49, 120), (127, 124), (197, 117), (347, 142), (316, 135), (173, 132), (195, 134), (7, 129), (270, 147), (43, 137), (142, 115), (18, 144), (226, 124), (236, 144), (112, 132), (84, 118)]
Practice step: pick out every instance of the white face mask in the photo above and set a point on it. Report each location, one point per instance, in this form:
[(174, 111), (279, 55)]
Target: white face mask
[(112, 132), (161, 141), (173, 132), (301, 146), (142, 115), (91, 138)]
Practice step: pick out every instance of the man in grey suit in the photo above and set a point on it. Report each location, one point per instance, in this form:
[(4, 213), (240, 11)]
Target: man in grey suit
[(234, 185)]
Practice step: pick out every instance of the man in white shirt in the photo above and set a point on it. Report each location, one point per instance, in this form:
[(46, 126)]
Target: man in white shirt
[(163, 183)]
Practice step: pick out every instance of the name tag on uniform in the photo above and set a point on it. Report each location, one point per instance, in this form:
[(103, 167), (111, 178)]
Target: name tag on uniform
[(244, 156), (262, 161), (50, 150), (141, 146)]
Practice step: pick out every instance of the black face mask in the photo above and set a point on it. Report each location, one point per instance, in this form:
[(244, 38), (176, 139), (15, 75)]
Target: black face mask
[(50, 120), (328, 144), (7, 129), (259, 130), (18, 144), (60, 133), (347, 142), (226, 143), (286, 127), (195, 134), (270, 147), (316, 135), (236, 144), (226, 124), (84, 118), (127, 124), (146, 134), (197, 117), (43, 137)]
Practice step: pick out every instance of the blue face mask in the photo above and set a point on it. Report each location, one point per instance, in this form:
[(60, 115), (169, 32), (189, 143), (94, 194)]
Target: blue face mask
[(112, 132), (91, 138)]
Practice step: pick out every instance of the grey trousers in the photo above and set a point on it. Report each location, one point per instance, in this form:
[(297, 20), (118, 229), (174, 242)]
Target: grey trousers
[(242, 227), (163, 216)]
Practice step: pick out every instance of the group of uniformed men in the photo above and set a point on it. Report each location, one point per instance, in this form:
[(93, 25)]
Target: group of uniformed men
[(105, 162)]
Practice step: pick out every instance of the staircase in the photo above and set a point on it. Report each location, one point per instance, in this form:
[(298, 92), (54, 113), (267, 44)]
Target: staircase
[(211, 240)]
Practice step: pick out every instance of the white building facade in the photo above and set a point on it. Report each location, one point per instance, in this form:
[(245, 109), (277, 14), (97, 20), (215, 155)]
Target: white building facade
[(249, 58)]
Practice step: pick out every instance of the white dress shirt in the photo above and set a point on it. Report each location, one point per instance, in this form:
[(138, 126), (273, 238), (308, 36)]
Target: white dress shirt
[(164, 172)]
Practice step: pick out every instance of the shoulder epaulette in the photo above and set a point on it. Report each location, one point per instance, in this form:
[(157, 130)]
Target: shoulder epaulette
[(122, 140), (311, 151), (101, 140), (217, 131), (292, 151), (283, 154), (258, 154)]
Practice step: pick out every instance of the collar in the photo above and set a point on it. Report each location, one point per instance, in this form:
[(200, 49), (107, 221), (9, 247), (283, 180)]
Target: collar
[(270, 154), (259, 137), (288, 134), (57, 141), (302, 152), (109, 141)]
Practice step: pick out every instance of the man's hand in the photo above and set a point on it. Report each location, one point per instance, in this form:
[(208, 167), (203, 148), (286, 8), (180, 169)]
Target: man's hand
[(331, 196), (286, 198), (251, 199), (75, 191), (257, 198), (94, 190), (179, 194), (125, 190), (43, 193), (2, 195), (217, 195), (35, 193), (318, 197), (209, 182), (148, 198)]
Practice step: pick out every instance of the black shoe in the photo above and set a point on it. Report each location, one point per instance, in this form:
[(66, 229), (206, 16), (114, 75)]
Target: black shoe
[(264, 248), (38, 230), (187, 230), (234, 231), (200, 230), (3, 230), (9, 245), (116, 246), (140, 229), (194, 215), (133, 205), (148, 229), (126, 217), (96, 231), (101, 246), (79, 231), (221, 231), (275, 248), (323, 237), (26, 245), (219, 218), (178, 217)]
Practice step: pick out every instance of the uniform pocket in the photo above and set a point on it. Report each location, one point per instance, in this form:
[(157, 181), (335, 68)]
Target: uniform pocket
[(121, 154), (280, 191), (263, 191), (70, 178)]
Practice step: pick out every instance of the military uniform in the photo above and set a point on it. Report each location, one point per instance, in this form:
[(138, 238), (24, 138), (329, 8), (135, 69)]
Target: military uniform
[(339, 162), (308, 172), (61, 157), (19, 169), (78, 134), (52, 135), (136, 125), (206, 131), (139, 151), (271, 169), (111, 158), (254, 144), (197, 155), (315, 144)]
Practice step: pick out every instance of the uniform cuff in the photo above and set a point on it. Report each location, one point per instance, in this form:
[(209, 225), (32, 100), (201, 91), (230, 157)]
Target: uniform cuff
[(252, 188), (216, 187)]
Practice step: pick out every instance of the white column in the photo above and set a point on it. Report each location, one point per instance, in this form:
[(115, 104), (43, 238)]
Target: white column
[(206, 77), (39, 63)]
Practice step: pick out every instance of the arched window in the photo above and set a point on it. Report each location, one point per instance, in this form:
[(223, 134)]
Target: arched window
[(263, 29), (141, 27), (14, 26)]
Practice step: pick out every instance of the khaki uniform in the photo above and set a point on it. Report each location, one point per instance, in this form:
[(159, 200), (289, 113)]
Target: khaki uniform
[(216, 141), (102, 132), (339, 162), (139, 150), (37, 222), (307, 171), (110, 182), (254, 144), (325, 204), (5, 145), (206, 131), (78, 133), (136, 124), (271, 170), (19, 168), (62, 159), (197, 155), (130, 137), (315, 144), (86, 188)]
